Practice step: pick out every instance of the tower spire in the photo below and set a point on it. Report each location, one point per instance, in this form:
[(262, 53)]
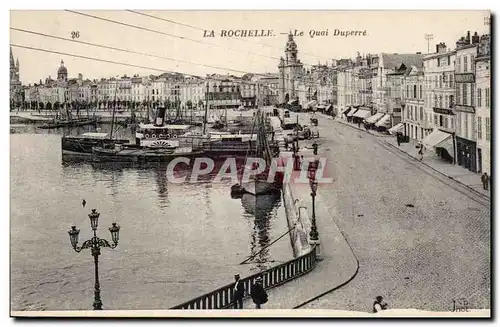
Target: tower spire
[(11, 59)]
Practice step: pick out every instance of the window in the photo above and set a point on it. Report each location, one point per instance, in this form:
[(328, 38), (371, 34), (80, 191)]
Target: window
[(459, 63), (466, 126), (464, 94), (436, 101), (487, 97), (487, 127), (452, 103), (414, 91), (479, 104), (479, 128), (441, 101), (440, 81), (472, 98), (451, 122), (435, 120), (445, 122), (407, 91), (421, 113), (465, 64), (421, 93)]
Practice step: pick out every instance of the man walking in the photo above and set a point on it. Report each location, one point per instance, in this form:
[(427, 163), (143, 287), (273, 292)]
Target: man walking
[(238, 292), (315, 148), (421, 151), (259, 295), (379, 304), (485, 179)]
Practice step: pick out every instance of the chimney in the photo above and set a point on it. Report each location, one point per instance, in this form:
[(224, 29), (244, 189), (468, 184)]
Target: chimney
[(475, 38), (467, 40), (419, 52), (441, 48), (160, 118)]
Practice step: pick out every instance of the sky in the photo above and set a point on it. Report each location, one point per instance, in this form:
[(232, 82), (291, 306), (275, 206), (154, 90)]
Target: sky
[(386, 31)]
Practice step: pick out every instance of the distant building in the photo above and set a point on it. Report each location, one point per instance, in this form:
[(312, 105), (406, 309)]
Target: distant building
[(16, 89)]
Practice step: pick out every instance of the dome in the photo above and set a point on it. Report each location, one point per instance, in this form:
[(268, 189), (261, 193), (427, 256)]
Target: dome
[(62, 69)]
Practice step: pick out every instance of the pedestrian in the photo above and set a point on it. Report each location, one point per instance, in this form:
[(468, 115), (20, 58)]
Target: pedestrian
[(286, 143), (379, 304), (421, 151), (359, 124), (485, 179), (315, 148), (84, 203), (398, 138), (259, 295), (239, 292)]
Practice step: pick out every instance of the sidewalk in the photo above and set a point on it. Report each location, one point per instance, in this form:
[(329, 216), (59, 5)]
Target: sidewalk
[(455, 172), (461, 175), (338, 266)]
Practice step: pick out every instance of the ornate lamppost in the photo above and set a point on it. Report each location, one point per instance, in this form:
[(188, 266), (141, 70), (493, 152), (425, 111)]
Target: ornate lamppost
[(95, 244), (314, 236)]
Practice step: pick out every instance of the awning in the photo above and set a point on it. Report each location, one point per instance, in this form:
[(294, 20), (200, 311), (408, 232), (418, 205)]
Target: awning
[(352, 112), (384, 122), (293, 101), (311, 104), (373, 119), (439, 139), (362, 113), (396, 129)]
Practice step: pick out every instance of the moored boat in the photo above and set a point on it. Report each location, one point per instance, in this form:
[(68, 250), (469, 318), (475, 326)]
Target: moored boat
[(81, 145), (141, 154), (68, 123)]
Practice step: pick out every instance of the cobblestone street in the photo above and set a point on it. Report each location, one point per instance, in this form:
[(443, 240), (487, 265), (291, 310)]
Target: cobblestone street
[(421, 256)]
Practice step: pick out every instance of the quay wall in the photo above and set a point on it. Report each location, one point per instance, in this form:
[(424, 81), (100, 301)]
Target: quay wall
[(296, 214)]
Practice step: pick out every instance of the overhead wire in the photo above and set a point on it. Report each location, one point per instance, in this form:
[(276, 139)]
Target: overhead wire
[(202, 29)]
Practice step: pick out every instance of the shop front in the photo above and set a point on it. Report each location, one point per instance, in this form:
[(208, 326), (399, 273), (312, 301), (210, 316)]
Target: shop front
[(466, 153)]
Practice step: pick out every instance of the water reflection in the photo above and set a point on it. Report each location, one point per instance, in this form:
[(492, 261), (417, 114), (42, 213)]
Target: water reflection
[(261, 209)]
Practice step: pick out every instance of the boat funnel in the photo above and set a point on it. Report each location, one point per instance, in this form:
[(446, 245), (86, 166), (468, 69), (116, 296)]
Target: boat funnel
[(160, 116)]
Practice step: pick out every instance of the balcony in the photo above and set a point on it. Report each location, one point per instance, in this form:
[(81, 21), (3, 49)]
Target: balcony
[(465, 108)]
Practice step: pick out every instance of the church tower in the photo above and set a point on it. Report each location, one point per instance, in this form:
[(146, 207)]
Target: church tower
[(14, 68), (290, 69)]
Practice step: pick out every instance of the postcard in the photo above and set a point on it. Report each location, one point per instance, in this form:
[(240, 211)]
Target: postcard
[(262, 163)]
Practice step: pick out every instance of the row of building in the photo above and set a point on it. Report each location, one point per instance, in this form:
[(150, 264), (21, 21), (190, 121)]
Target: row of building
[(168, 89), (441, 99)]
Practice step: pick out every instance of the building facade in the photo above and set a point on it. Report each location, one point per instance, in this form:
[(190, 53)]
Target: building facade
[(439, 77), (483, 106), (416, 124), (465, 95)]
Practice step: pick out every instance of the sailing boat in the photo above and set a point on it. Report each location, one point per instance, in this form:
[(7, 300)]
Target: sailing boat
[(260, 184), (68, 121), (81, 145)]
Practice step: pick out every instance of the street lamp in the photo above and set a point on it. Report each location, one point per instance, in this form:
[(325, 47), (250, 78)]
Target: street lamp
[(314, 230), (95, 245)]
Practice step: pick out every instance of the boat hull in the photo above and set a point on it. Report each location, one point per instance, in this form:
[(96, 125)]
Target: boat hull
[(69, 124), (83, 146), (139, 155)]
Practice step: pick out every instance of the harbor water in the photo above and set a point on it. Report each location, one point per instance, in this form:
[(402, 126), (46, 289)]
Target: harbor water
[(177, 241)]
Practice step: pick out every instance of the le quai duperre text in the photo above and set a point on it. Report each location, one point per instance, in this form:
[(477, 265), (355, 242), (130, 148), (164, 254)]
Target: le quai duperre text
[(269, 33)]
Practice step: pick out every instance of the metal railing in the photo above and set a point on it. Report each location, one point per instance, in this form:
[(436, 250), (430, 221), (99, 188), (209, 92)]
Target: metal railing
[(222, 298)]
